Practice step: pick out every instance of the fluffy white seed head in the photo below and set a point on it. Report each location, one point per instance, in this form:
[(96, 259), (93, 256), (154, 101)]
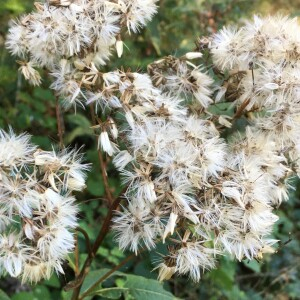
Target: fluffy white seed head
[(36, 221)]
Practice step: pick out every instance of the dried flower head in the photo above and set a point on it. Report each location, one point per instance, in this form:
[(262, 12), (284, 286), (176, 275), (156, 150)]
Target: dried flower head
[(37, 211)]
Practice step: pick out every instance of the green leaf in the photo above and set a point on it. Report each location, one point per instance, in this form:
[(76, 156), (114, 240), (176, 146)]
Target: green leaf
[(53, 281), (75, 133), (15, 6), (79, 120), (112, 293), (92, 278), (40, 292), (43, 94), (293, 290), (142, 288), (82, 127), (42, 141), (138, 287), (253, 265), (66, 295), (95, 185), (23, 296), (117, 252), (236, 293), (224, 276), (103, 252), (3, 296), (113, 260)]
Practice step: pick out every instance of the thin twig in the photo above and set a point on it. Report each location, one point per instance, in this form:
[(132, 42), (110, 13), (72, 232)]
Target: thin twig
[(283, 274), (108, 193), (87, 240), (241, 109), (104, 230), (113, 204), (255, 275), (76, 255)]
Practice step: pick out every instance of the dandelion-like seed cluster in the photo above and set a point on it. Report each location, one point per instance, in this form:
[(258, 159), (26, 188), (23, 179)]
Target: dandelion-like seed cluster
[(188, 187), (37, 210), (72, 39)]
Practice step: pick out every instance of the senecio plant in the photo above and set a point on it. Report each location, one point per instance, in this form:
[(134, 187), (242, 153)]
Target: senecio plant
[(37, 209), (193, 180)]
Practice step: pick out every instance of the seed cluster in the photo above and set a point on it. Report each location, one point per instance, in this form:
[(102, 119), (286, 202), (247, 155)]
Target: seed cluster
[(201, 195), (37, 210)]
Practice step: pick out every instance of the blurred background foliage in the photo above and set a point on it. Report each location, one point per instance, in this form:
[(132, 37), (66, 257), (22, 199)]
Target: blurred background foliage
[(172, 31)]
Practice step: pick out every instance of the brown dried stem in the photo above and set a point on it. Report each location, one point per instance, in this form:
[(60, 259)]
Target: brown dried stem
[(76, 255), (87, 240), (241, 109), (113, 204), (108, 193), (77, 283)]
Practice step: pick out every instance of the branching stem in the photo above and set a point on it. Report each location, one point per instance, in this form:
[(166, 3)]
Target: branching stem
[(104, 230), (105, 276)]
